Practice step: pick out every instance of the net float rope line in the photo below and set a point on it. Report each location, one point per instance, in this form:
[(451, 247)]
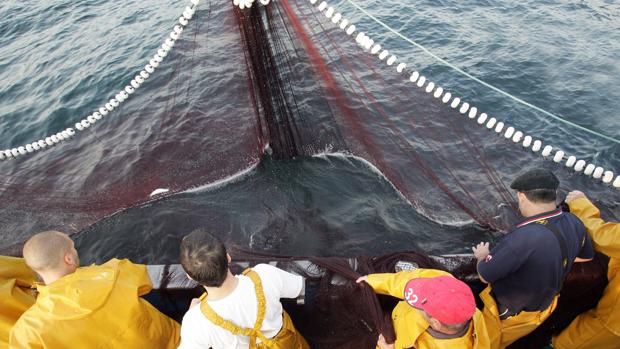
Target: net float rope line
[(464, 108), (120, 97)]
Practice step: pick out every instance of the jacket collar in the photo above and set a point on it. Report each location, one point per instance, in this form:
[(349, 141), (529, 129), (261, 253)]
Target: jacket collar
[(541, 216)]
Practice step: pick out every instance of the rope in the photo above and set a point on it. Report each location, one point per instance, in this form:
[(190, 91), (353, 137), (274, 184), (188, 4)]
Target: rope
[(461, 71)]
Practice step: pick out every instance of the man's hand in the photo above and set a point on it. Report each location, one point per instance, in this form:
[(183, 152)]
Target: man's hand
[(481, 251), (574, 195), (362, 278), (382, 344)]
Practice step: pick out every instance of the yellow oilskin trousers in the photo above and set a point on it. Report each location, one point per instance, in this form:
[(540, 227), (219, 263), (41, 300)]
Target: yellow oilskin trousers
[(96, 307), (409, 324), (513, 327), (287, 338), (16, 294), (599, 327)]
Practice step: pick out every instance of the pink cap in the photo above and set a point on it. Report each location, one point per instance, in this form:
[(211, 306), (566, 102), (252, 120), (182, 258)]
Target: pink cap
[(445, 298)]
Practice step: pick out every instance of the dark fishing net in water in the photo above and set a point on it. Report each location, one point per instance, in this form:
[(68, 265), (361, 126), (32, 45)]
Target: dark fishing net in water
[(279, 80)]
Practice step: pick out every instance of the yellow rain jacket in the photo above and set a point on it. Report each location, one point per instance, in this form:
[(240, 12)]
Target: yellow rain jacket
[(410, 325), (287, 338), (96, 307), (16, 294), (606, 239)]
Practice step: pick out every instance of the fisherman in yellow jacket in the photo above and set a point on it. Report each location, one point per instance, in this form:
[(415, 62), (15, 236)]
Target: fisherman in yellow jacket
[(16, 294), (237, 311), (92, 307), (438, 311), (600, 327)]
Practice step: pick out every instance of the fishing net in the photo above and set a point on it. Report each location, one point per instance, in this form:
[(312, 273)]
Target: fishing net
[(272, 82)]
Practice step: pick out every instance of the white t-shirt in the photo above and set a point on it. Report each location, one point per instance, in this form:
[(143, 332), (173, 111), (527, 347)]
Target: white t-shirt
[(240, 307)]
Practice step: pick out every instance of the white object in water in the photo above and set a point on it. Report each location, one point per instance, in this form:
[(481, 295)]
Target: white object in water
[(517, 137), (527, 141), (383, 54), (421, 81), (598, 172), (330, 12), (617, 182), (455, 102), (430, 87), (446, 97), (559, 155), (537, 145), (509, 132), (547, 151), (42, 144), (159, 191), (195, 2), (344, 23), (608, 177), (14, 152), (103, 111), (391, 60), (351, 29), (570, 162), (580, 165), (183, 21), (491, 123), (482, 118), (472, 113), (464, 108), (589, 169), (414, 76), (401, 67), (22, 150), (336, 18), (322, 6), (438, 92)]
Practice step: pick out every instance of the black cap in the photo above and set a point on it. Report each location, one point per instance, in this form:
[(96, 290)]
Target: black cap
[(536, 179)]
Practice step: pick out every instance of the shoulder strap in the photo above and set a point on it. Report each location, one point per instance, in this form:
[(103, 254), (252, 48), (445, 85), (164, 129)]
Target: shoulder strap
[(561, 242), (252, 333)]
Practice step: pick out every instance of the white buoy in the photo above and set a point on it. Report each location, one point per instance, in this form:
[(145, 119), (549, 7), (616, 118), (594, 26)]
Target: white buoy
[(438, 92), (22, 150), (129, 89), (42, 144), (29, 148), (360, 38), (482, 118), (336, 18), (114, 102), (35, 146), (499, 127), (91, 119), (559, 155), (351, 29), (547, 151), (8, 153), (70, 131), (446, 98), (617, 182), (421, 81), (509, 132), (85, 123), (570, 162), (60, 136), (344, 23), (65, 134), (473, 112), (109, 106), (149, 68), (15, 152), (174, 36), (527, 141), (598, 172), (330, 12), (322, 6), (464, 108), (391, 60), (414, 76), (166, 48), (153, 63), (134, 83), (195, 2), (157, 58), (2, 156), (139, 79), (264, 2), (54, 139), (368, 44), (49, 141), (401, 67), (608, 177), (455, 102), (177, 29), (383, 54), (579, 166), (589, 169), (144, 74), (517, 137), (491, 123), (430, 87), (159, 191), (313, 2), (183, 21), (169, 42)]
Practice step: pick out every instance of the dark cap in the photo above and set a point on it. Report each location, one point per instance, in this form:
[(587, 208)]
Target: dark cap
[(536, 179)]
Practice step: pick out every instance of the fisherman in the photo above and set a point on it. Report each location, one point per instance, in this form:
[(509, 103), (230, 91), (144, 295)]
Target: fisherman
[(525, 271), (600, 327), (437, 311), (16, 294), (92, 307), (242, 311)]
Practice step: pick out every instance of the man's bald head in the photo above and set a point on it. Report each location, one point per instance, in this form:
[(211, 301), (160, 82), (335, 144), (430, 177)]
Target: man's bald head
[(47, 251)]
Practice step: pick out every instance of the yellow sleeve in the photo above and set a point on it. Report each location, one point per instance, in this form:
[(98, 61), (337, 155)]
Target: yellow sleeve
[(393, 284), (24, 337), (135, 274), (605, 236)]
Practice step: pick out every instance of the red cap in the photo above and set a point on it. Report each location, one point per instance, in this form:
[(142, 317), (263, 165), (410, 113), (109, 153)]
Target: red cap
[(445, 298)]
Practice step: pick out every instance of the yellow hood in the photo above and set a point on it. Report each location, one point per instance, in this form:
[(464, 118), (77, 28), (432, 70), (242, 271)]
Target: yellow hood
[(78, 294)]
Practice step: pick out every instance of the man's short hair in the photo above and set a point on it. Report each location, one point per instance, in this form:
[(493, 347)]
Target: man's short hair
[(46, 250), (541, 195), (204, 259)]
